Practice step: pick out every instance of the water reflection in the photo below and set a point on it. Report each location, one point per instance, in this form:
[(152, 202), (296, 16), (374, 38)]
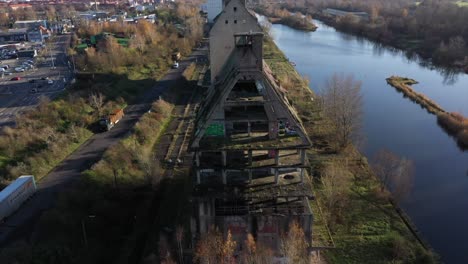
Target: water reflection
[(393, 123)]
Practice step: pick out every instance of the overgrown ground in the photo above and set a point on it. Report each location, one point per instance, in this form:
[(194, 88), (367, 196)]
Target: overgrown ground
[(368, 229), (121, 205)]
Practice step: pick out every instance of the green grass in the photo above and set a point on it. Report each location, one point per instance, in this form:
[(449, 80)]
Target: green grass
[(123, 41)]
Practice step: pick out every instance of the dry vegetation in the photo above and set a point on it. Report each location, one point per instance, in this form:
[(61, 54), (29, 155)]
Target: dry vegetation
[(131, 162), (454, 123), (212, 247), (43, 137), (360, 217), (150, 46), (283, 16), (112, 200)]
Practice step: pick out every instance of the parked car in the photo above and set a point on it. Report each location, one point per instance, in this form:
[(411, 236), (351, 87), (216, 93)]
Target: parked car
[(175, 65), (34, 90), (15, 78), (32, 81), (19, 69), (50, 82), (7, 73), (44, 78)]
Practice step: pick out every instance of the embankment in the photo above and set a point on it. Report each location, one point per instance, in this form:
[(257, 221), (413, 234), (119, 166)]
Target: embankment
[(455, 124), (370, 226), (296, 21)]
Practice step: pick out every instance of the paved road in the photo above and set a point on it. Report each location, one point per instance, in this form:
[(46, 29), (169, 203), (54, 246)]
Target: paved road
[(21, 224), (16, 96)]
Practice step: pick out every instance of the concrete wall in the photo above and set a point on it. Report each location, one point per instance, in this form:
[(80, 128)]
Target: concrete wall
[(234, 19), (213, 8)]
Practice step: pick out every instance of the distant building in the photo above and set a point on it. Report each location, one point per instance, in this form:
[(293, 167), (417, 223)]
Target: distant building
[(94, 15), (19, 6), (36, 36), (27, 53), (29, 24), (8, 37)]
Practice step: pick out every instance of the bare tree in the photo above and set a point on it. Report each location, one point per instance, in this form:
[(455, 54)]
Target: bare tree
[(208, 247), (336, 182), (395, 173), (212, 248), (96, 100), (294, 244), (256, 253), (342, 103)]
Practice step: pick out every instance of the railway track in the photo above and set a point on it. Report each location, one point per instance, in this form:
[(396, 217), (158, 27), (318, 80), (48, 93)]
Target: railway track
[(176, 154)]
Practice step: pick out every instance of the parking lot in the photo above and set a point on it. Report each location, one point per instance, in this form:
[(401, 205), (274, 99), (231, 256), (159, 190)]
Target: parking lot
[(20, 90)]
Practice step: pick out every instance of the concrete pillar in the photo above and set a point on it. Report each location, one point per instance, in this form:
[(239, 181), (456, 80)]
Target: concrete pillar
[(276, 176), (303, 156), (197, 158), (302, 174), (224, 175), (250, 175), (198, 177), (224, 157), (250, 157), (276, 157)]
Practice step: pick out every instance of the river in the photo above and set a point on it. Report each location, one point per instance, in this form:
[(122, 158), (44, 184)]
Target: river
[(438, 202)]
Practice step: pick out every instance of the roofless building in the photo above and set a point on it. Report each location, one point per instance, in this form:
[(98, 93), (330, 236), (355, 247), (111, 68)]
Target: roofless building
[(249, 144)]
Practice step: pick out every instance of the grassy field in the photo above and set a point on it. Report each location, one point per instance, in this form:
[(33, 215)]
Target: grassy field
[(369, 230)]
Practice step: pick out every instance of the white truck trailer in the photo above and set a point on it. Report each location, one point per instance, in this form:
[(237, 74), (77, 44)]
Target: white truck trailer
[(15, 194)]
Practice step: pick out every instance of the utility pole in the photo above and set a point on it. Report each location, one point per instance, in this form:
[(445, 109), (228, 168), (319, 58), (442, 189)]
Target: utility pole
[(83, 227)]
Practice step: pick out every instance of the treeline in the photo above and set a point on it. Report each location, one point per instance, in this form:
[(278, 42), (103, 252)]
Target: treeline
[(150, 45), (434, 29)]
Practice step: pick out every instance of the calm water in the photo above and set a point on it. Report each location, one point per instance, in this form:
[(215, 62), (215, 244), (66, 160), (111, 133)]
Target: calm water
[(438, 204)]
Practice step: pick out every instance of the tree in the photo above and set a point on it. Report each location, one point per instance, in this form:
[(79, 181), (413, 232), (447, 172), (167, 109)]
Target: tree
[(96, 100), (294, 244), (212, 248), (342, 103), (179, 238), (374, 13), (336, 182), (395, 173)]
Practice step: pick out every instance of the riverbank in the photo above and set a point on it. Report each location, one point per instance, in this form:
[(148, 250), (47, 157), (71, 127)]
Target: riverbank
[(455, 124), (411, 46), (370, 229), (296, 21)]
